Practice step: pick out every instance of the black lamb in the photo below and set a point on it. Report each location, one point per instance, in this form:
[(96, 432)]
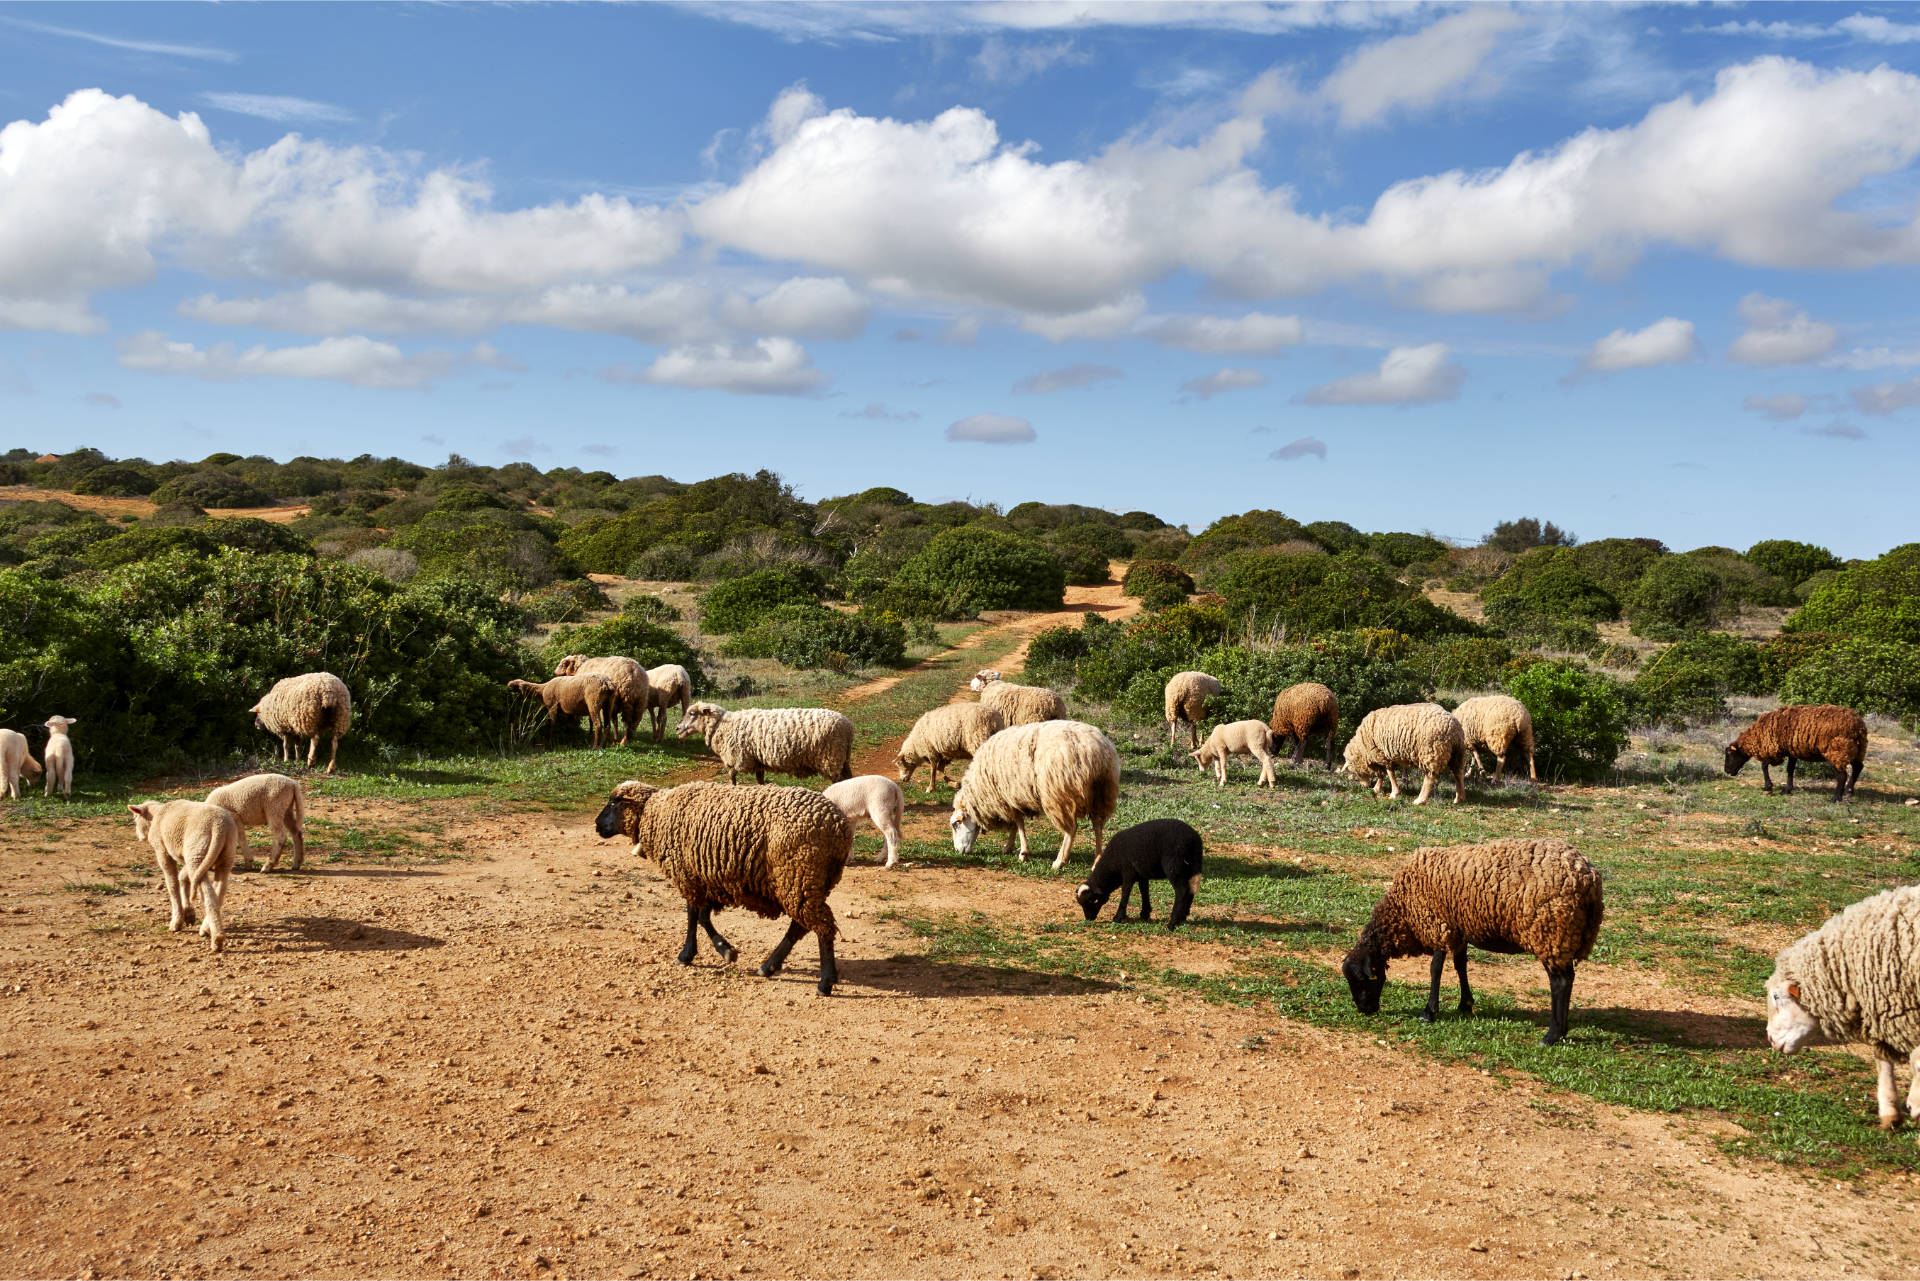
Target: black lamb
[(1161, 849)]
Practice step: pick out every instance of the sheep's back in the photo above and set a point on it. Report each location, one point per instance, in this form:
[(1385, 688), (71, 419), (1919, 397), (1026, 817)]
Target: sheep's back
[(1023, 704), (1859, 973), (1058, 766), (760, 848), (628, 678), (255, 799), (1303, 710), (1421, 735), (307, 705), (668, 685), (1539, 896), (950, 731), (792, 740), (1187, 694), (1806, 732), (1494, 721)]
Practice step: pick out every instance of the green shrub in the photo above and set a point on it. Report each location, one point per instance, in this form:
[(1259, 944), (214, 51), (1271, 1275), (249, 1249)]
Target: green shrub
[(1162, 596), (1336, 536), (1579, 720), (1309, 595), (667, 563), (740, 603), (1085, 566), (1862, 673), (1053, 656), (1676, 595), (251, 534), (1526, 533), (1401, 550), (565, 602), (1876, 600), (145, 542), (116, 482), (1781, 654), (1544, 587), (1144, 574), (1465, 662), (211, 489), (1110, 541), (646, 606), (1169, 640), (1741, 581), (810, 636), (1620, 656), (1690, 681), (1790, 562), (974, 568), (625, 636), (1248, 531), (1362, 681), (70, 540), (1617, 563), (474, 600)]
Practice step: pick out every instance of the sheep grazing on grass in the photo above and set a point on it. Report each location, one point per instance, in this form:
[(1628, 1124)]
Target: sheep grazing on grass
[(1422, 736), (1065, 770), (1499, 723), (59, 756), (1018, 704), (1159, 849), (1857, 978), (1823, 732), (668, 685), (949, 733), (306, 707), (1240, 738), (15, 760), (631, 692), (196, 845), (272, 801), (591, 696), (874, 797), (1538, 896), (801, 741), (1186, 704), (1301, 711), (772, 850)]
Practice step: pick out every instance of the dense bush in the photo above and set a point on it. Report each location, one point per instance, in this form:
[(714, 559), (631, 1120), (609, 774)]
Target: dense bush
[(1543, 587), (1877, 600), (1690, 681), (1336, 536), (211, 489), (626, 636), (116, 482), (144, 542), (1526, 533), (808, 636), (1144, 574), (1162, 596), (1676, 595), (1249, 531), (1401, 550), (1109, 540), (1316, 594), (740, 603), (651, 608), (1053, 656), (703, 517), (1741, 581), (1791, 562), (567, 602), (1167, 641), (974, 568), (1465, 662), (1362, 681), (1617, 563), (1781, 654), (1862, 673), (1085, 566), (1579, 720), (251, 534)]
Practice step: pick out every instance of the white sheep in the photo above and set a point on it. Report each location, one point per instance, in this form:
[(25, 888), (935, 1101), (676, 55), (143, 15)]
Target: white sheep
[(1186, 703), (1421, 736), (950, 732), (874, 797), (668, 685), (197, 841), (1500, 723), (1018, 704), (1238, 738), (801, 741), (15, 759), (59, 756), (1065, 770), (306, 707), (272, 801), (632, 691)]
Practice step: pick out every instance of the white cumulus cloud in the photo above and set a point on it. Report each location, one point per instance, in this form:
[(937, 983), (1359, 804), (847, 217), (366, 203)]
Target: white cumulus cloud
[(1887, 398), (992, 429), (804, 307), (1254, 334), (1667, 341), (1418, 69), (1207, 386), (1778, 333), (1407, 376), (767, 367), (356, 360)]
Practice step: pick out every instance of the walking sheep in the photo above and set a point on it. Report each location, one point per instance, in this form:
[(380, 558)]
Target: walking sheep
[(874, 797), (1822, 732), (1301, 711), (1186, 703), (1158, 849), (59, 756), (1420, 736), (199, 842), (1065, 770), (1018, 704), (801, 741), (1538, 896), (632, 694), (15, 759), (668, 685), (1240, 738), (952, 732), (1857, 978), (306, 707), (1499, 723), (272, 801), (772, 850), (591, 696)]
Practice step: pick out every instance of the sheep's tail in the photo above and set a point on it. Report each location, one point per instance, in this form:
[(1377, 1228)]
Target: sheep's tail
[(299, 807), (197, 872)]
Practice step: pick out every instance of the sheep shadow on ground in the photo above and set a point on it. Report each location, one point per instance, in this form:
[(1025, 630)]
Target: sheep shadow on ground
[(441, 777), (357, 871), (924, 977), (1258, 927), (331, 934), (1681, 1029)]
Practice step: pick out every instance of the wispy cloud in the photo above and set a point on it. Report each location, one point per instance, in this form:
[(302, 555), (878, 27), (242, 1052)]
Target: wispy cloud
[(1072, 376), (1207, 386), (1306, 446), (1837, 431), (1782, 408), (878, 412), (104, 399), (992, 429), (278, 108), (1407, 376), (202, 52)]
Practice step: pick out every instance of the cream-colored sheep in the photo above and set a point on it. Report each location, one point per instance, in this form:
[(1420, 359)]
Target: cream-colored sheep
[(1422, 736), (668, 685), (801, 741), (272, 801), (632, 692), (15, 759), (59, 755), (1018, 704), (306, 707), (1065, 770), (951, 732), (1186, 703), (590, 695), (874, 797), (1238, 738), (1500, 724), (199, 842)]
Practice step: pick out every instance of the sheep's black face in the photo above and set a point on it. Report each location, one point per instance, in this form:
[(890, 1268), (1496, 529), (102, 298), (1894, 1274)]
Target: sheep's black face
[(608, 822), (1091, 900), (1366, 979), (1736, 760)]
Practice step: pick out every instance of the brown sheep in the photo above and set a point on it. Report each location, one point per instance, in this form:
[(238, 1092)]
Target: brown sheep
[(574, 696), (631, 692), (1300, 711), (1822, 732)]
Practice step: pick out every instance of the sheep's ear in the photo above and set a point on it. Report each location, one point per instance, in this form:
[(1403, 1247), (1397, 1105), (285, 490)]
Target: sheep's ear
[(1793, 990), (141, 810)]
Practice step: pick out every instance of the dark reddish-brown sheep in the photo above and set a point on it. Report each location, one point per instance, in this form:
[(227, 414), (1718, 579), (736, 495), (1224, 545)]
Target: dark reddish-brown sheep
[(1303, 710), (1820, 732)]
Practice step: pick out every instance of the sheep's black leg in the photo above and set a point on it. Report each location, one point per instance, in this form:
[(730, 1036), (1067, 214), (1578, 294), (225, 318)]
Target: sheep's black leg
[(1854, 777), (1146, 904), (1766, 778), (1182, 892), (1299, 751), (693, 944), (1560, 982), (1788, 789), (1432, 1011), (778, 957), (829, 972), (1460, 968), (1126, 892), (728, 952)]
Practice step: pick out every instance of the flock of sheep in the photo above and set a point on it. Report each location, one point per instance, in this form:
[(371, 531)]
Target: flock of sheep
[(780, 851)]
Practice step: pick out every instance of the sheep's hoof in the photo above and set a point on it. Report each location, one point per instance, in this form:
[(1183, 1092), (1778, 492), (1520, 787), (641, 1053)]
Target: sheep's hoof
[(685, 958), (824, 987), (1552, 1037), (1466, 1008), (1890, 1121), (769, 968), (729, 953), (1428, 1016)]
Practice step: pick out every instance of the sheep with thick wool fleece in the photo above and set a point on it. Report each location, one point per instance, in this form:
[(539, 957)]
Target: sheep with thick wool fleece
[(951, 732), (16, 758), (772, 850), (801, 741), (195, 844), (1018, 704), (1857, 979), (876, 798), (1804, 732), (1065, 770), (1538, 896), (1422, 736), (1300, 711), (668, 685), (588, 695), (631, 691), (1500, 723), (1185, 699), (272, 801), (306, 707), (1237, 738), (59, 755)]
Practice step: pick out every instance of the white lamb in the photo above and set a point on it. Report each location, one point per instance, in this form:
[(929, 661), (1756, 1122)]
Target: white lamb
[(15, 760), (1238, 738), (59, 756), (874, 797)]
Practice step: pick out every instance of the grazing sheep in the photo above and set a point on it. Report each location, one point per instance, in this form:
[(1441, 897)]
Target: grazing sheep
[(952, 732), (15, 759), (1065, 770), (772, 850), (306, 707), (591, 696), (1499, 723), (1240, 738), (874, 797), (59, 756), (1419, 736), (668, 685), (1158, 849), (1857, 978), (801, 741), (631, 691), (272, 801), (200, 841), (1018, 704), (1538, 896), (1821, 732), (1301, 711), (1186, 702)]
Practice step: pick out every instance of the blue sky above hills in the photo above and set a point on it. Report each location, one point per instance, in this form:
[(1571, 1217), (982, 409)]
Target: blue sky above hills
[(1640, 270)]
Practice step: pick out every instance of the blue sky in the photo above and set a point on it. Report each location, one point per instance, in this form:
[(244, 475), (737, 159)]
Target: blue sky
[(1640, 270)]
